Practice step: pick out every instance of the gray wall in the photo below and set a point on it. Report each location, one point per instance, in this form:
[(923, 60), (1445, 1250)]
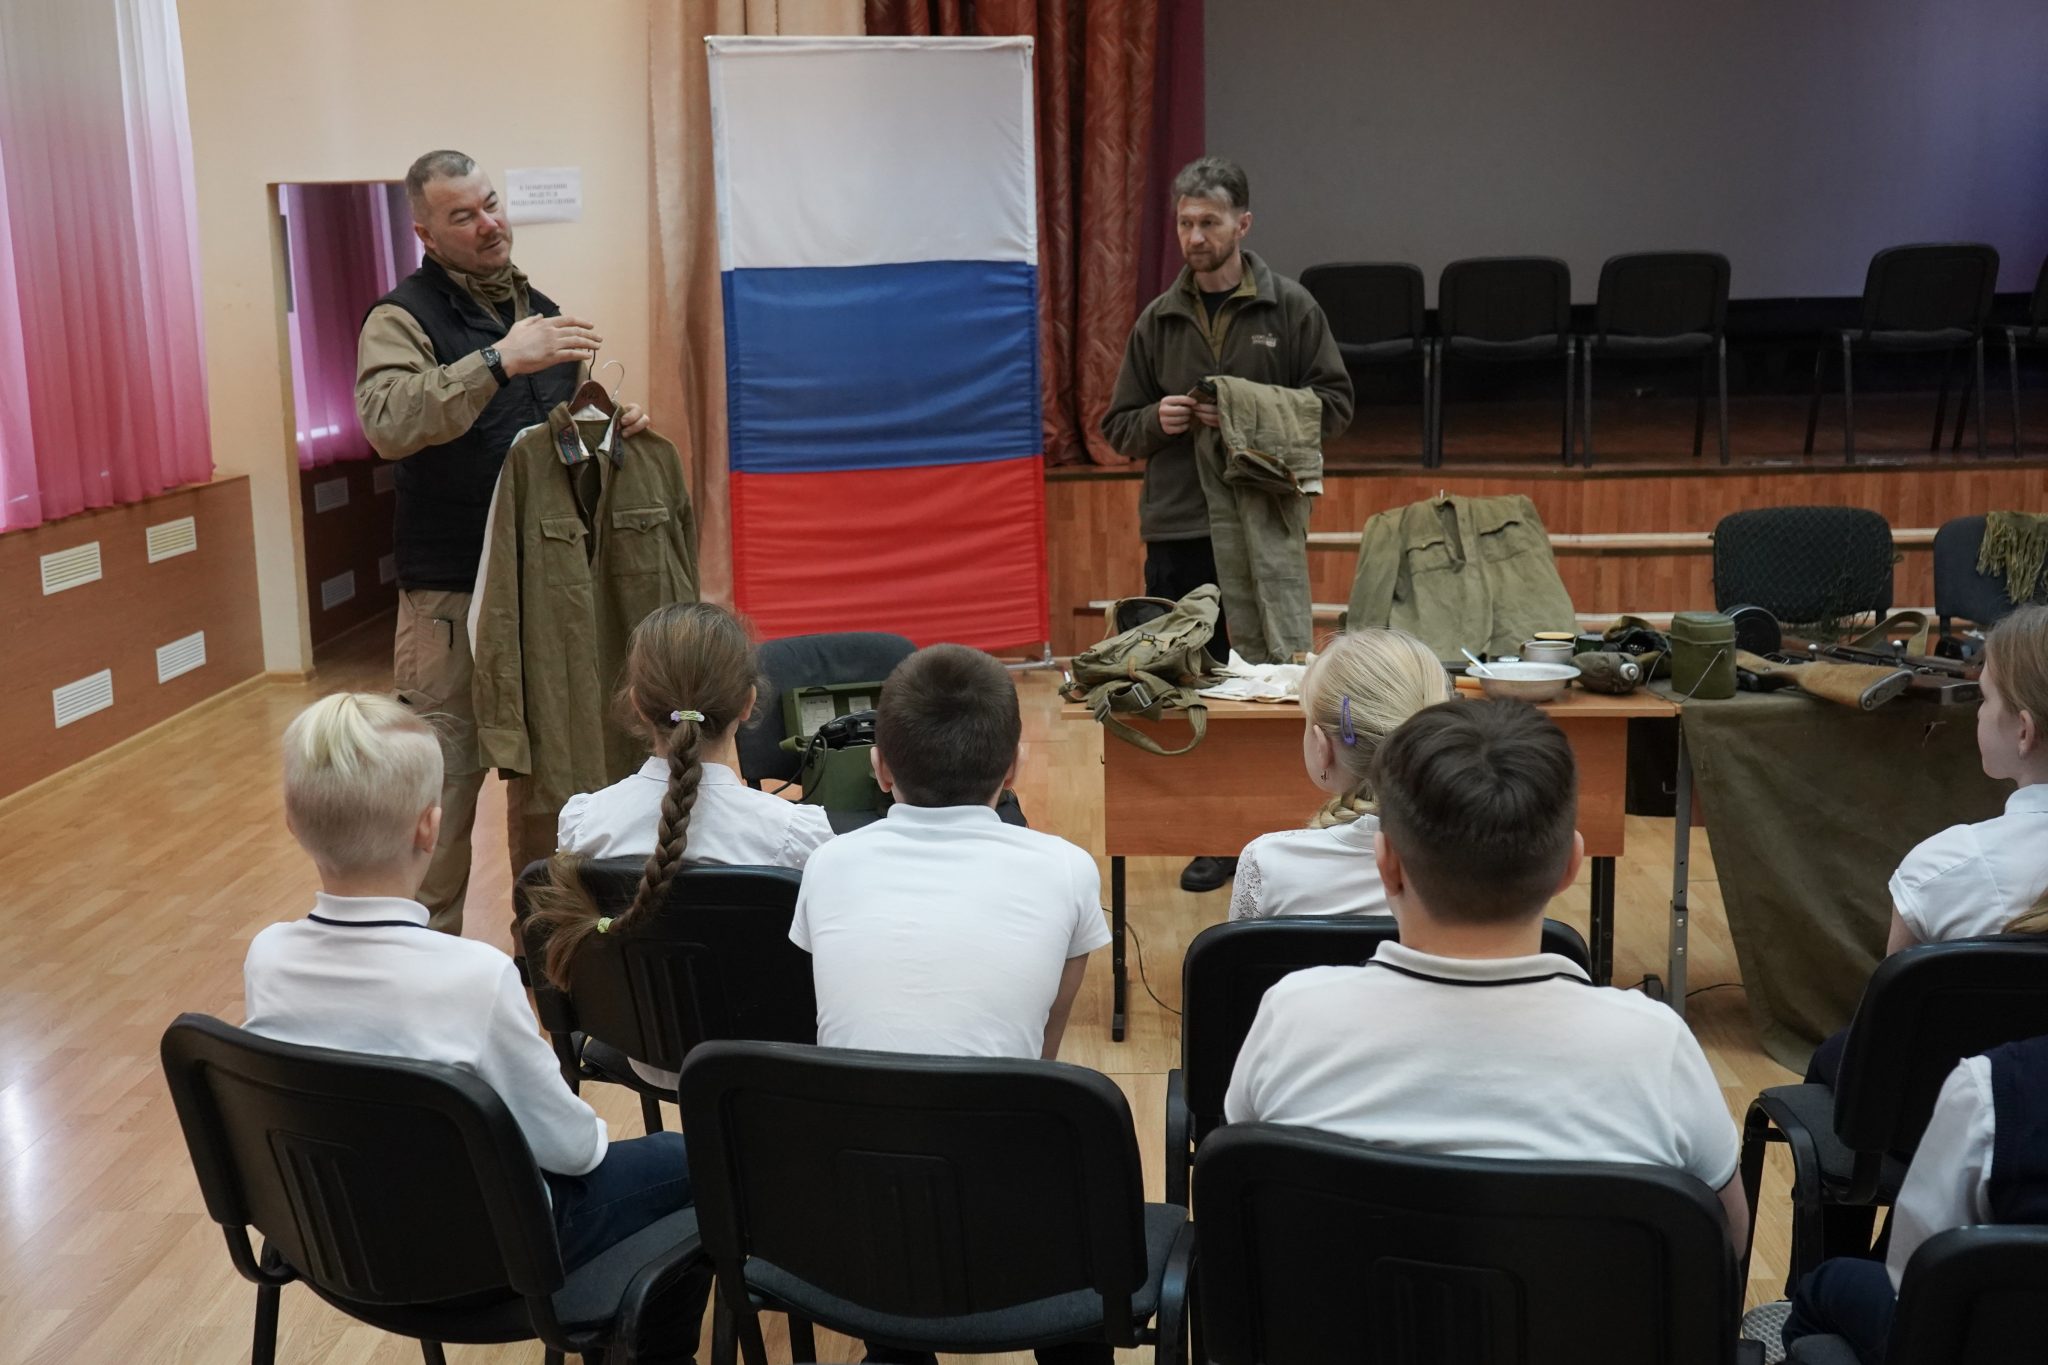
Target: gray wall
[(1795, 136)]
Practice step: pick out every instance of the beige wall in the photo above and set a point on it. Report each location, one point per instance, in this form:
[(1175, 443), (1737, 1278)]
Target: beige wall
[(354, 90)]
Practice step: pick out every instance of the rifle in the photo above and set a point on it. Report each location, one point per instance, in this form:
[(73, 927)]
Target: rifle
[(1949, 681)]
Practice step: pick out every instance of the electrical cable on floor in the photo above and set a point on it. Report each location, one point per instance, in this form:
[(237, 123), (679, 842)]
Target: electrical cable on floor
[(1139, 944), (1717, 986)]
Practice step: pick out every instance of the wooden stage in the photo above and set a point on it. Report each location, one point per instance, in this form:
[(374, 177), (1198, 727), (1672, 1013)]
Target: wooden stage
[(1644, 483)]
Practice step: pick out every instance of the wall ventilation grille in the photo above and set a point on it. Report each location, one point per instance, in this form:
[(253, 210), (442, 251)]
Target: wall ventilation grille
[(72, 568), (76, 701), (180, 657), (171, 538)]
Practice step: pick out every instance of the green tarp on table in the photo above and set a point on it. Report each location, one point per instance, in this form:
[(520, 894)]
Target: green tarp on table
[(1810, 806)]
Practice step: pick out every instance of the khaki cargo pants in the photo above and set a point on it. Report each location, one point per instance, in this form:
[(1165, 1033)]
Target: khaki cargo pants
[(431, 669)]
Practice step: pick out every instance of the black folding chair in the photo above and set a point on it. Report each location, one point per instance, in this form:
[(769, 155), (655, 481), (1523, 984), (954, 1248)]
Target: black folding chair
[(1977, 1294), (714, 962), (1961, 593), (2030, 336), (404, 1195), (1226, 972), (928, 1203), (1804, 565), (1934, 297), (1503, 308), (1925, 1009), (1319, 1250), (1661, 305), (808, 661), (1376, 313)]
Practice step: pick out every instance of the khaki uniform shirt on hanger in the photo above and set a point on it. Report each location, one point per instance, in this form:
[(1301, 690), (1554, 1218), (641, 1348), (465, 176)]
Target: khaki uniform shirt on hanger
[(589, 532)]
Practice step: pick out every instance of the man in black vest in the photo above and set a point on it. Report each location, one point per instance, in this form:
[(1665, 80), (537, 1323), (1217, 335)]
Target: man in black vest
[(453, 364)]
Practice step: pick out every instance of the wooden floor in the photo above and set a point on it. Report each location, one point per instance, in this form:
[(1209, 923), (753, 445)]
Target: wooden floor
[(129, 890), (1654, 434)]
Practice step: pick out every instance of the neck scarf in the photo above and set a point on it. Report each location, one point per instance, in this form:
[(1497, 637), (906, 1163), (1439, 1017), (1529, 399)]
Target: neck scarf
[(503, 285)]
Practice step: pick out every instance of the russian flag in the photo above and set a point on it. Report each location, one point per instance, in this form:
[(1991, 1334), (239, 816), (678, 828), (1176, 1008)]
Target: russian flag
[(878, 244)]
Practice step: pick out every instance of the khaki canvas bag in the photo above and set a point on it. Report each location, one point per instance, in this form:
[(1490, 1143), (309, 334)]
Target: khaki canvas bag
[(1154, 666)]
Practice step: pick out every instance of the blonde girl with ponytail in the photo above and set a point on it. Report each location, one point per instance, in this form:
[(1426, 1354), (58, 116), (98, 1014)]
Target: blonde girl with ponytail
[(1991, 877), (689, 684), (1357, 692)]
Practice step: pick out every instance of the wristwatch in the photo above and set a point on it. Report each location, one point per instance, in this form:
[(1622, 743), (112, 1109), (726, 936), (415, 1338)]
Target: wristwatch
[(496, 363)]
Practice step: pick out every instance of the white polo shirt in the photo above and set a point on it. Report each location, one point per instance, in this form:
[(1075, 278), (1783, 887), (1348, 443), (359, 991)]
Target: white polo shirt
[(366, 974), (1503, 1057), (1971, 880), (1310, 872), (731, 823), (1949, 1183), (943, 930)]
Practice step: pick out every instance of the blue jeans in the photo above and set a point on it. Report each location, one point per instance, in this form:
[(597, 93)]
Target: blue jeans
[(1848, 1298), (640, 1182)]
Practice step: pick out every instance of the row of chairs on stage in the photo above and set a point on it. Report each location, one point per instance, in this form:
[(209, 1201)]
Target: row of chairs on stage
[(1665, 305), (968, 1205)]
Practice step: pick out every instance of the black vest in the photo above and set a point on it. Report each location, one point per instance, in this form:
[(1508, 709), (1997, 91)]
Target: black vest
[(444, 491), (2019, 1145)]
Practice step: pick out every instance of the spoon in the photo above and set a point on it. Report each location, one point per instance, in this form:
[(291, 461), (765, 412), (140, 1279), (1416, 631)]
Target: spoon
[(1473, 659)]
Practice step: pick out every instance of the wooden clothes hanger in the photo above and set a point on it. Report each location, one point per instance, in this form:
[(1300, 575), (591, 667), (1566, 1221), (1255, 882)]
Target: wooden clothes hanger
[(591, 394)]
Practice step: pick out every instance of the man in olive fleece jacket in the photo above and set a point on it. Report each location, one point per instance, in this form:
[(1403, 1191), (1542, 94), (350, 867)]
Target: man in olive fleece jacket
[(1228, 313)]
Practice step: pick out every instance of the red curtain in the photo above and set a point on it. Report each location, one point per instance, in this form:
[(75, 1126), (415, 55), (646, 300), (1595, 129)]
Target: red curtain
[(1178, 132), (1094, 68)]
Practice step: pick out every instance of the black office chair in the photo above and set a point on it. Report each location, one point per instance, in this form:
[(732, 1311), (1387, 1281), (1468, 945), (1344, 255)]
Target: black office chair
[(1977, 1294), (1376, 313), (1925, 1009), (1804, 565), (714, 962), (1320, 1250), (1961, 593), (930, 1203), (1225, 974), (1934, 297), (404, 1195), (808, 661), (2031, 336), (1503, 308), (1661, 305)]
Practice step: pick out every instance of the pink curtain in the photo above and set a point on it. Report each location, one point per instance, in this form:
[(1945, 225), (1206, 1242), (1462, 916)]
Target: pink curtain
[(101, 369), (343, 245)]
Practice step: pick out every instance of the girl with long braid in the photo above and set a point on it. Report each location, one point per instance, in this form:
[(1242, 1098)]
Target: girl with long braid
[(1355, 694), (689, 684)]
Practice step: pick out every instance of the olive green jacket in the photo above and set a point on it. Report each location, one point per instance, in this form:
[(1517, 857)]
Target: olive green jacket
[(1270, 331), (589, 532), (1475, 573)]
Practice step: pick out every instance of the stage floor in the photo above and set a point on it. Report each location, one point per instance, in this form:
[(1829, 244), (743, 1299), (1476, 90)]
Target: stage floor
[(1654, 435), (133, 884)]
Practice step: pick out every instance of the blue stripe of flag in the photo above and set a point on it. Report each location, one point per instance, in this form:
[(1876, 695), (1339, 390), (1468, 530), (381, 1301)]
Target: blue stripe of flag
[(881, 366)]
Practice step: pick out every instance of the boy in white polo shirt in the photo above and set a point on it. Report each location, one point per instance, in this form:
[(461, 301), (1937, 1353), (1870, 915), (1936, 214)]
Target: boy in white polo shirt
[(364, 973), (940, 929), (1465, 1038)]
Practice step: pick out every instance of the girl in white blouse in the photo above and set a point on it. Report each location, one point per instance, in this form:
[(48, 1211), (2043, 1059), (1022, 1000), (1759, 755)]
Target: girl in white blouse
[(1355, 694), (689, 686), (1991, 877)]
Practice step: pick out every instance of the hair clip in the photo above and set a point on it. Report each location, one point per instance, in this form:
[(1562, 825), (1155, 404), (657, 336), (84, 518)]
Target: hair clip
[(604, 923), (1345, 731), (678, 717)]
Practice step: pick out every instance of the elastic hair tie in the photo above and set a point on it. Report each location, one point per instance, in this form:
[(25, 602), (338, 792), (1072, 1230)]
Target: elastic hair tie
[(678, 717), (1345, 731), (604, 924)]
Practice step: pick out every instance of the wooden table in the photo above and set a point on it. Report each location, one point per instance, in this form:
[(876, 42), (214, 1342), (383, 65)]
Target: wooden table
[(1246, 779)]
